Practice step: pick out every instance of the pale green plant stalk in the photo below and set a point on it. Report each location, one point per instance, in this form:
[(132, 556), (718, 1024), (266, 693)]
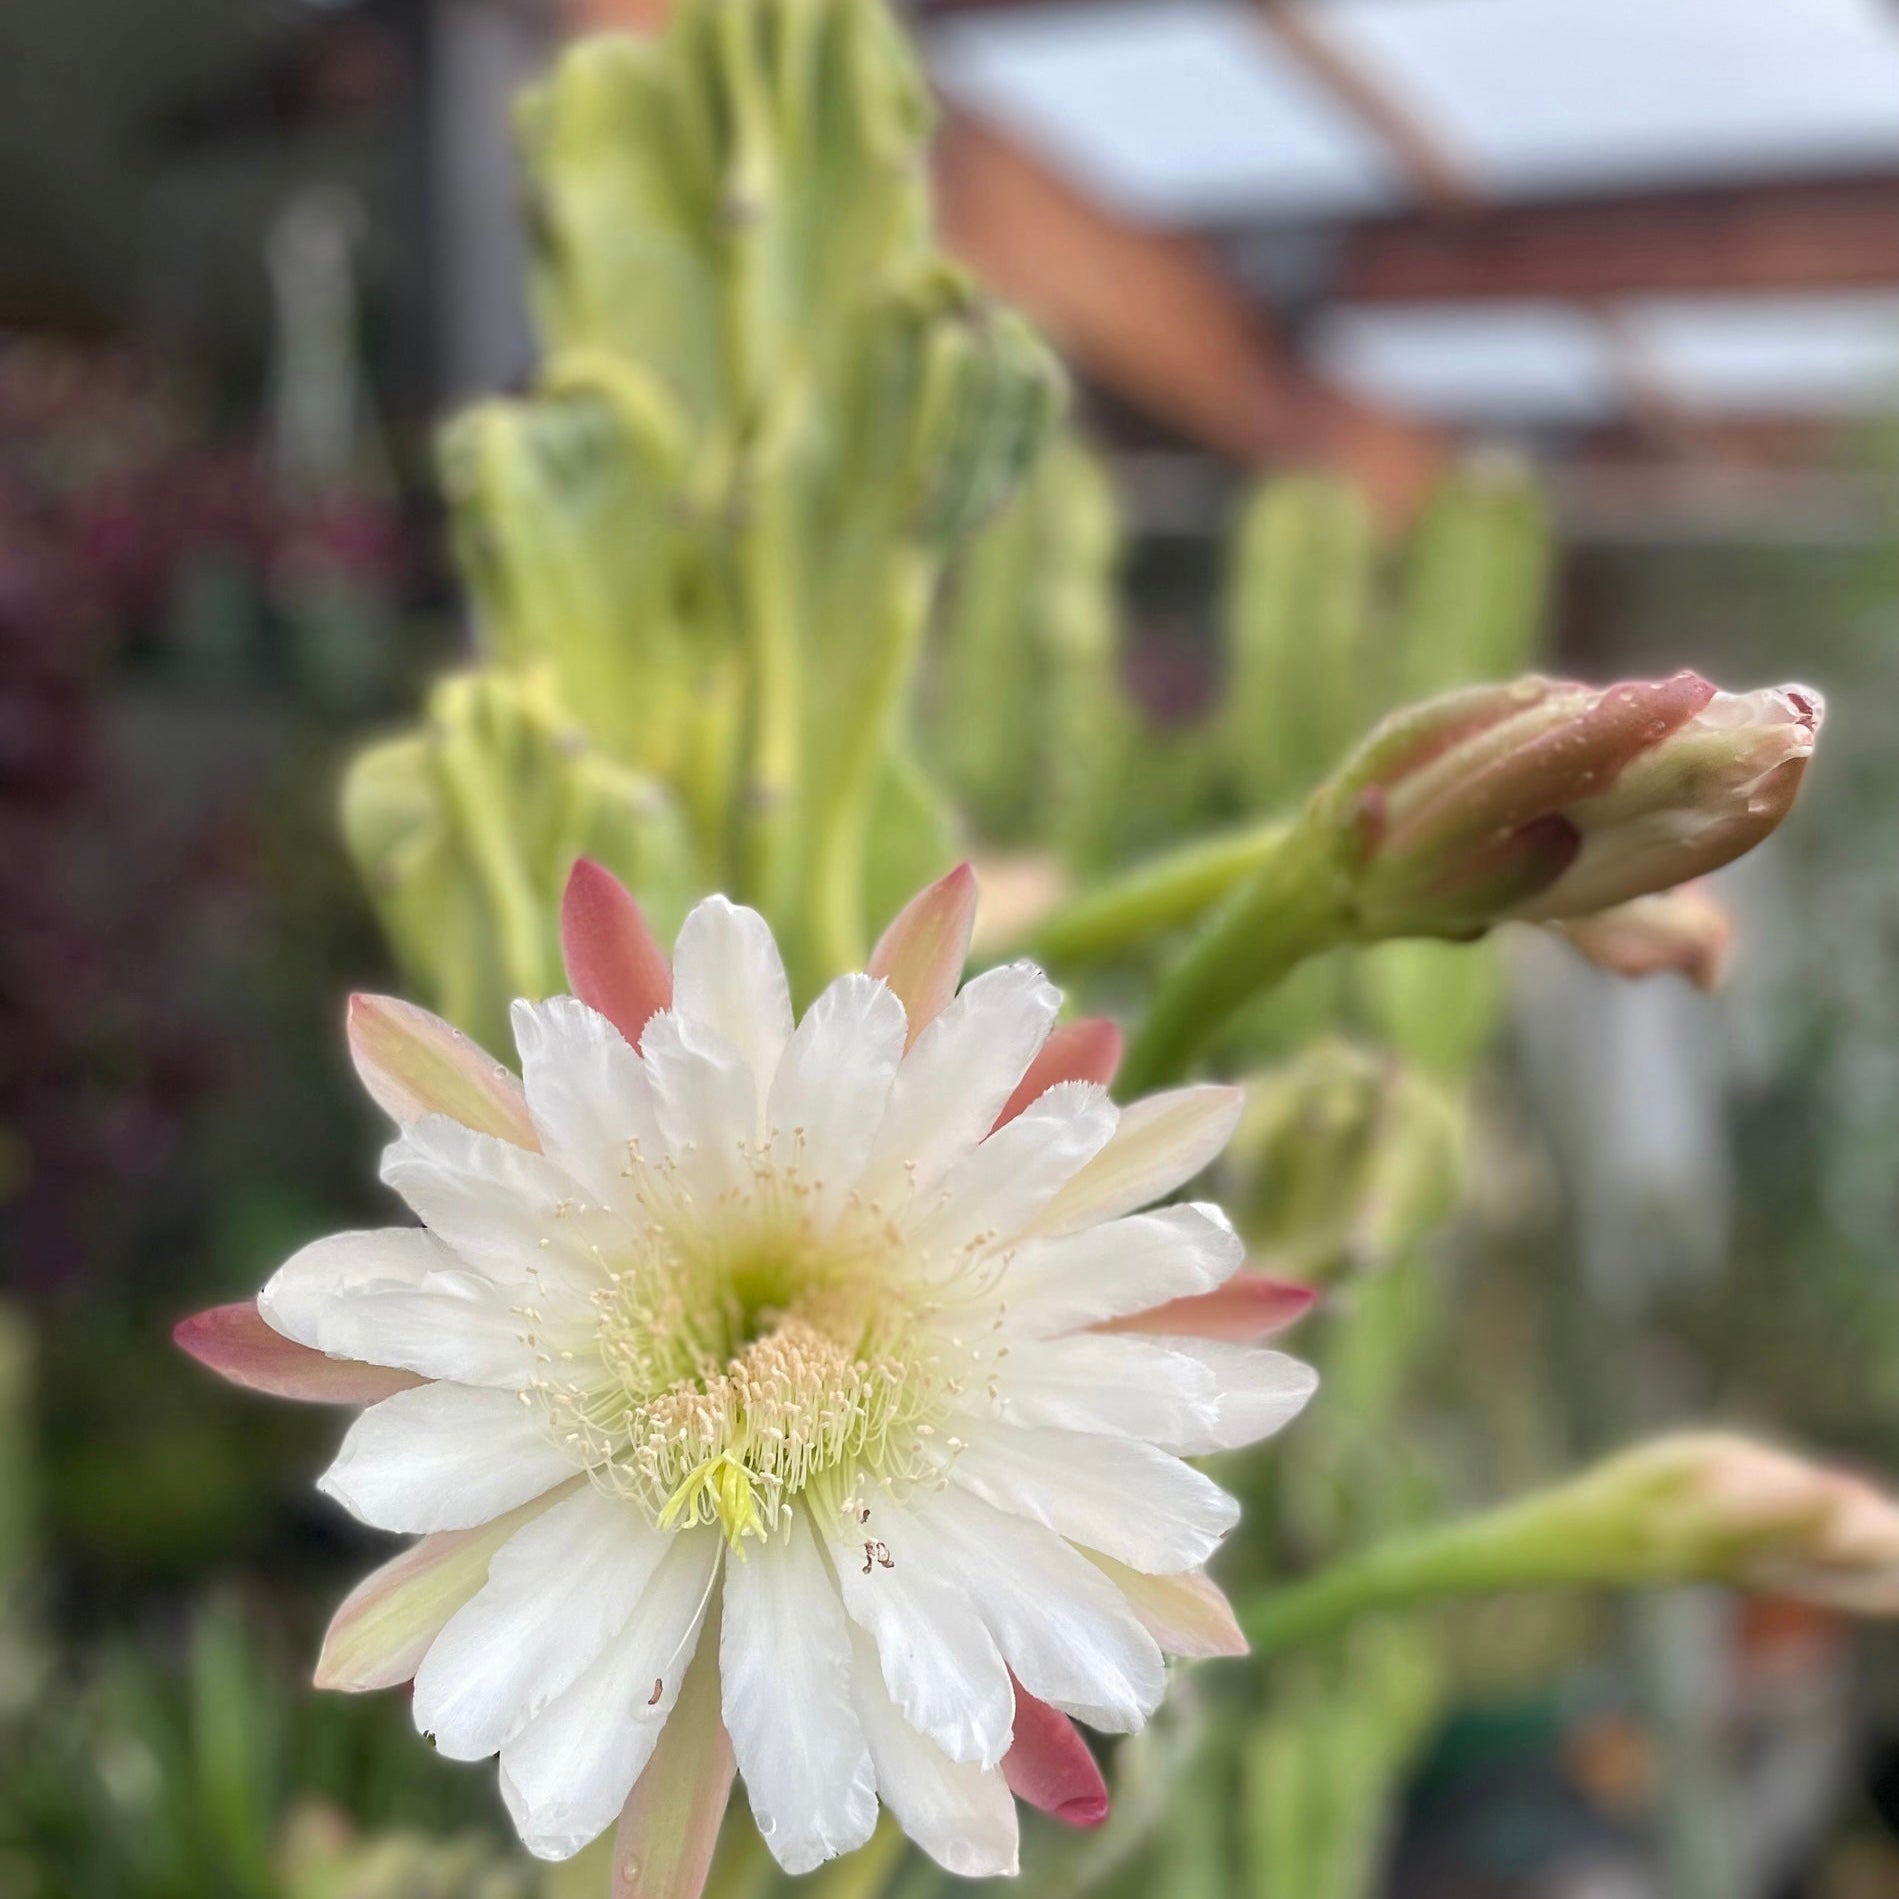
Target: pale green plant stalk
[(1162, 895), (1691, 1508), (1479, 1555), (1292, 905)]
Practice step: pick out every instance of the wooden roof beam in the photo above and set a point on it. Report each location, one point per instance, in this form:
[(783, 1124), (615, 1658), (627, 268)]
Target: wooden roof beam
[(1153, 317), (1817, 235), (1436, 175)]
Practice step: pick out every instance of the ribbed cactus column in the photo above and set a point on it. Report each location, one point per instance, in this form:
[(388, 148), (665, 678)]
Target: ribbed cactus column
[(1299, 638), (1027, 717), (464, 830), (769, 414)]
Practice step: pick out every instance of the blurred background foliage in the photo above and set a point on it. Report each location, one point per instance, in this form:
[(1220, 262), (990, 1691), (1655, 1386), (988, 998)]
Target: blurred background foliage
[(774, 450)]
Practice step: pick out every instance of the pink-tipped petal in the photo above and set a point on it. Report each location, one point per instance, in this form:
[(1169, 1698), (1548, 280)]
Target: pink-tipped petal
[(1248, 1308), (1187, 1614), (1048, 1765), (234, 1342), (1088, 1050), (921, 955), (670, 1824), (413, 1063), (614, 962), (384, 1626)]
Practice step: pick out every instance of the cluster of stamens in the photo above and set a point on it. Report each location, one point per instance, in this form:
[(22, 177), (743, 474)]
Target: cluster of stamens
[(743, 1359)]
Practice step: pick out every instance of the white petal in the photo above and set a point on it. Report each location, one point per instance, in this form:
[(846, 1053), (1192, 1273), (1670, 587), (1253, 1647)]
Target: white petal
[(444, 1457), (728, 977), (590, 1097), (669, 1829), (939, 1662), (567, 1774), (454, 1325), (302, 1298), (1119, 1267), (833, 1084), (990, 1194), (1062, 1626), (961, 1814), (400, 1297), (1095, 1382), (1162, 1142), (707, 1111), (298, 1296), (958, 1074), (556, 1595), (785, 1660), (1114, 1494), (1257, 1392), (511, 1215)]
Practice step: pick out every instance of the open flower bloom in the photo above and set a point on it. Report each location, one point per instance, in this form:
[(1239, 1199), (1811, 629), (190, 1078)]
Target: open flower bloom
[(775, 1394)]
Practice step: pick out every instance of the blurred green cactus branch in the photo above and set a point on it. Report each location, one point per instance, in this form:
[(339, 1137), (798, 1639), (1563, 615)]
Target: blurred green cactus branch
[(708, 545)]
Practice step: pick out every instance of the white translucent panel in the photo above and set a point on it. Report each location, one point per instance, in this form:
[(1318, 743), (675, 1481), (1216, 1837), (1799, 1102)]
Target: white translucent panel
[(1514, 362), (1567, 95), (1768, 355), (1174, 111)]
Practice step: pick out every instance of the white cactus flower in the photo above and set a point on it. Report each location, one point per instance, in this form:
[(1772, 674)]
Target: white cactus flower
[(775, 1395)]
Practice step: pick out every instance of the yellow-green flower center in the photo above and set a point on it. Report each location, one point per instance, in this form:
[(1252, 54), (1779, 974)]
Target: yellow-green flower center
[(741, 1363)]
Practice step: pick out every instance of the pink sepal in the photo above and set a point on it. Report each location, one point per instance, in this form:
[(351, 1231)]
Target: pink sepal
[(234, 1342), (1048, 1765), (921, 954), (614, 962), (1087, 1050), (1249, 1307)]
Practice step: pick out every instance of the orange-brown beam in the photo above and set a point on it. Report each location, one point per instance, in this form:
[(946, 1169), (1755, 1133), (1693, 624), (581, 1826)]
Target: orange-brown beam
[(1154, 318), (615, 16), (1809, 236), (1436, 175)]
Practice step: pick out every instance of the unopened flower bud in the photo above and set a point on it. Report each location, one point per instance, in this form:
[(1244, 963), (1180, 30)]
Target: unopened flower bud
[(1686, 932), (1702, 1507), (1545, 799), (1352, 1157), (1714, 1507)]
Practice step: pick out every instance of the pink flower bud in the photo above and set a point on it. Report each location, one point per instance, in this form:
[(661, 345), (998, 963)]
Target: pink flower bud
[(1710, 1506), (1701, 796), (1545, 799), (1685, 932)]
